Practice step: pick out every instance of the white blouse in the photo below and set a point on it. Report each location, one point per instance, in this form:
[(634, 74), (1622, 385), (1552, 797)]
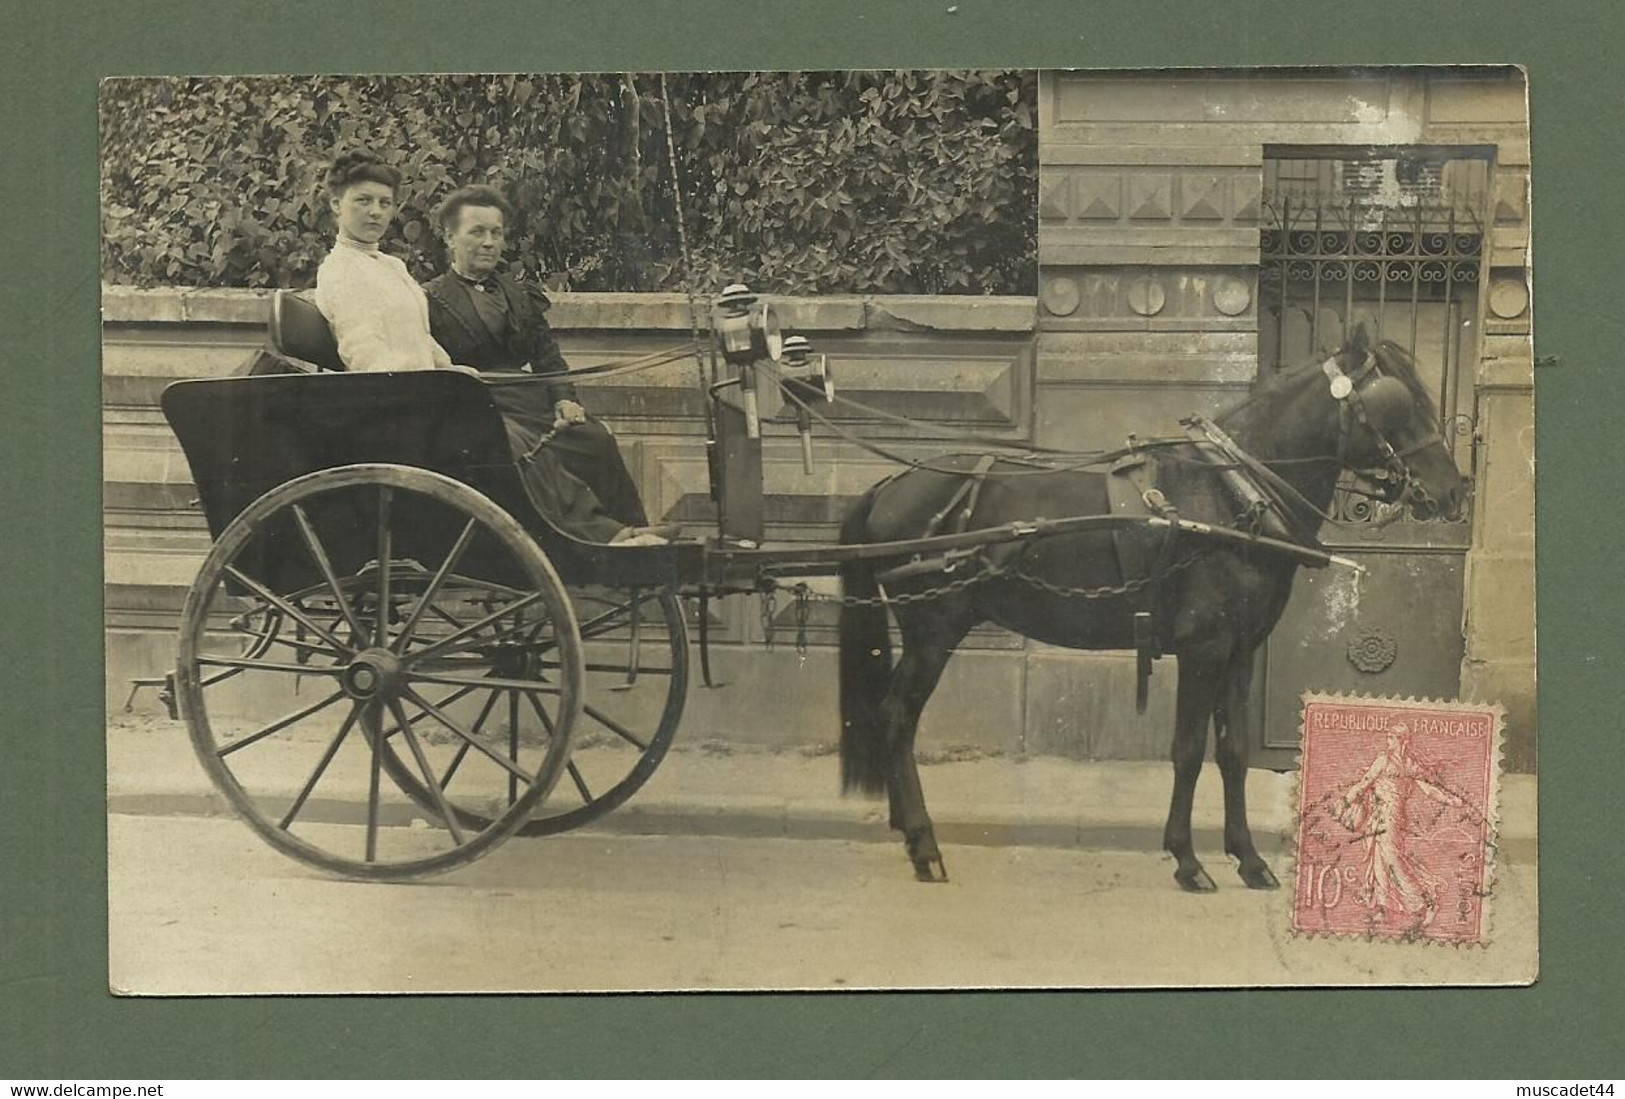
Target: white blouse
[(379, 315)]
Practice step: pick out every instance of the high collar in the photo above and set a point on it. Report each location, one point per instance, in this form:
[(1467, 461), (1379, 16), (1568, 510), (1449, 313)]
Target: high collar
[(347, 241), (486, 282)]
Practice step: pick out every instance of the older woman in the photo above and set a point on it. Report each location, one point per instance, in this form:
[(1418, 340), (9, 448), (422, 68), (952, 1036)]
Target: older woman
[(380, 318)]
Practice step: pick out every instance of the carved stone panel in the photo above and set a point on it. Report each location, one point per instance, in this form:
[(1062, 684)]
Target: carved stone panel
[(1127, 298), (1102, 213)]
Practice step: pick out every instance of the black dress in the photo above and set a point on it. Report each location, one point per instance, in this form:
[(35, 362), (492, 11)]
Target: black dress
[(520, 336)]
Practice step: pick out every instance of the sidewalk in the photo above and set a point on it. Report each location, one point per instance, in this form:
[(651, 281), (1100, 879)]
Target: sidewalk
[(720, 789)]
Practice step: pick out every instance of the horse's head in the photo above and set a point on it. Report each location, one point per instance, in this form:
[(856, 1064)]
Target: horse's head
[(1389, 427)]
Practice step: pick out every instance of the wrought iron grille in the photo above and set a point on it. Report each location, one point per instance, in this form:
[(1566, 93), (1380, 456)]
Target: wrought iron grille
[(1394, 241)]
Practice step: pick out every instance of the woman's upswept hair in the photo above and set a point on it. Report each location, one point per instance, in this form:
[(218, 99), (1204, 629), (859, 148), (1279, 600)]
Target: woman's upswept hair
[(475, 194), (360, 166)]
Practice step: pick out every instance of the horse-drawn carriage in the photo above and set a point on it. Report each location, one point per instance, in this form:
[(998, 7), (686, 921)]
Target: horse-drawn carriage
[(433, 666)]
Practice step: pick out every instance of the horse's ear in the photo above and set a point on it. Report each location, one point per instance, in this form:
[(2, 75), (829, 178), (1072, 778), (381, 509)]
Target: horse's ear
[(1359, 340)]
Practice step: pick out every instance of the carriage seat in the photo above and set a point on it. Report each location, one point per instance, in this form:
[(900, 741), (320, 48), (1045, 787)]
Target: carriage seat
[(299, 331)]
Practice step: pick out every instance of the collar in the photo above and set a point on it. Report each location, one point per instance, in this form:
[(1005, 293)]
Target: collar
[(354, 245), (488, 283)]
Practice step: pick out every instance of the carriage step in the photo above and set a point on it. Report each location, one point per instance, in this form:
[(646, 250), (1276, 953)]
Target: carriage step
[(166, 692)]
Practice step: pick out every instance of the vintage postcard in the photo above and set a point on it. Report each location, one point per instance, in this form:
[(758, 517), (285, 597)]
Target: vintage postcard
[(819, 530)]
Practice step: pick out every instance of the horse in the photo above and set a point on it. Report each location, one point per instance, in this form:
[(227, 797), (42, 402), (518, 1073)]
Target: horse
[(1364, 409)]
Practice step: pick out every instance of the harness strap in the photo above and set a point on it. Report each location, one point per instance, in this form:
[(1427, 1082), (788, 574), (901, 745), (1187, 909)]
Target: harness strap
[(1281, 508), (967, 493)]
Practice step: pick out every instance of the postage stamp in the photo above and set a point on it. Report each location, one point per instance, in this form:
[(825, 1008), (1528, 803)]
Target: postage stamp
[(1396, 819)]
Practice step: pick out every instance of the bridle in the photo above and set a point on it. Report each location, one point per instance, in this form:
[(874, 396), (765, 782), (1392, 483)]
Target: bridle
[(1345, 390)]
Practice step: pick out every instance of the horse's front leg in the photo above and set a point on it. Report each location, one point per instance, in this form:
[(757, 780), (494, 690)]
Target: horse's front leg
[(1232, 727), (1201, 674)]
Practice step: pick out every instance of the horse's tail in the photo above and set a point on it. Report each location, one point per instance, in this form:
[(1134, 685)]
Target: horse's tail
[(865, 668)]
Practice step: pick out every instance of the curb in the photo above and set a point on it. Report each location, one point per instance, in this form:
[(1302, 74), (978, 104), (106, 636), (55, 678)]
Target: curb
[(761, 818)]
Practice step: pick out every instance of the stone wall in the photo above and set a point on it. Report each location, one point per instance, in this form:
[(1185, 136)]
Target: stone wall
[(965, 362)]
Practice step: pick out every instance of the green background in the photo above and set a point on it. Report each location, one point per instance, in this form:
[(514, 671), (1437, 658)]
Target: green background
[(56, 1020)]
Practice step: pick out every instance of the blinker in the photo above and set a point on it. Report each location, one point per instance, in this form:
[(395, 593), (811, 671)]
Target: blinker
[(1387, 403)]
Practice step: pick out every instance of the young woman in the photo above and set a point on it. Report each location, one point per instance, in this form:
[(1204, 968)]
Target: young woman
[(379, 314)]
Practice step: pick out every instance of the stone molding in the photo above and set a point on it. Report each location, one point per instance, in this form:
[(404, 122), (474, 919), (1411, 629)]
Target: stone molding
[(651, 312)]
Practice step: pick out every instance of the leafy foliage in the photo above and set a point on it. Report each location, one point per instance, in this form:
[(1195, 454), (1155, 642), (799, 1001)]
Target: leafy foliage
[(863, 182)]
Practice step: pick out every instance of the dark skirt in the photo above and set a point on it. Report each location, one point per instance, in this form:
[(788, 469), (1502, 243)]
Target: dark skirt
[(577, 479)]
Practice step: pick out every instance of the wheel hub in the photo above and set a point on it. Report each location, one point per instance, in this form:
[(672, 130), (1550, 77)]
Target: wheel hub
[(515, 661), (374, 673)]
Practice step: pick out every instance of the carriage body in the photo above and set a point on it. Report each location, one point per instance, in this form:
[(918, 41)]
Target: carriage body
[(244, 436)]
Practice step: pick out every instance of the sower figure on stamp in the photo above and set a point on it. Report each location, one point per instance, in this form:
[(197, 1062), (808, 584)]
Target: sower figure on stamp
[(1380, 809), (494, 322)]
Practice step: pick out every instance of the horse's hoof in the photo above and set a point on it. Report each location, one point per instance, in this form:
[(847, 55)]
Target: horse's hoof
[(1195, 881), (1258, 876), (931, 870)]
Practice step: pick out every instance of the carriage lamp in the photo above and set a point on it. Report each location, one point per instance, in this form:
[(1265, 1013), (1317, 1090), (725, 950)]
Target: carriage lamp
[(747, 326), (749, 331), (732, 322), (806, 374), (797, 381)]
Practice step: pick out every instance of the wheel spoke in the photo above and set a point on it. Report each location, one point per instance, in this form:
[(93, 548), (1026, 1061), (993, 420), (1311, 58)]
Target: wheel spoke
[(541, 712), (222, 677), (547, 723), (478, 639), (246, 665), (464, 638), (580, 783), (286, 608), (634, 646), (279, 724), (439, 578), (380, 635), (603, 623), (319, 553), (615, 727), (496, 757), (513, 743), (492, 682), (462, 749), (615, 669), (305, 647), (321, 768), (375, 730), (446, 815)]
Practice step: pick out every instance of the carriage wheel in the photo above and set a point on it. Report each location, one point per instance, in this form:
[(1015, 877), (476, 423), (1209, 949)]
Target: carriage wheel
[(390, 661), (635, 646)]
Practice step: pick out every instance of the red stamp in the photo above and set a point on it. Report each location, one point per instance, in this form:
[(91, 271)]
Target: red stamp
[(1396, 819)]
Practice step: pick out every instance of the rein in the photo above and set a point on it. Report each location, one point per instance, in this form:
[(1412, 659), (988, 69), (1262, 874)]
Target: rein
[(1041, 466)]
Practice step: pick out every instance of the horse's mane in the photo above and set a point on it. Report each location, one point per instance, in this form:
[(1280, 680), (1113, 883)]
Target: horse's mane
[(1393, 361), (1396, 362)]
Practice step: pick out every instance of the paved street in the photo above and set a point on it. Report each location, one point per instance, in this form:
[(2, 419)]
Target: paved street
[(200, 905)]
